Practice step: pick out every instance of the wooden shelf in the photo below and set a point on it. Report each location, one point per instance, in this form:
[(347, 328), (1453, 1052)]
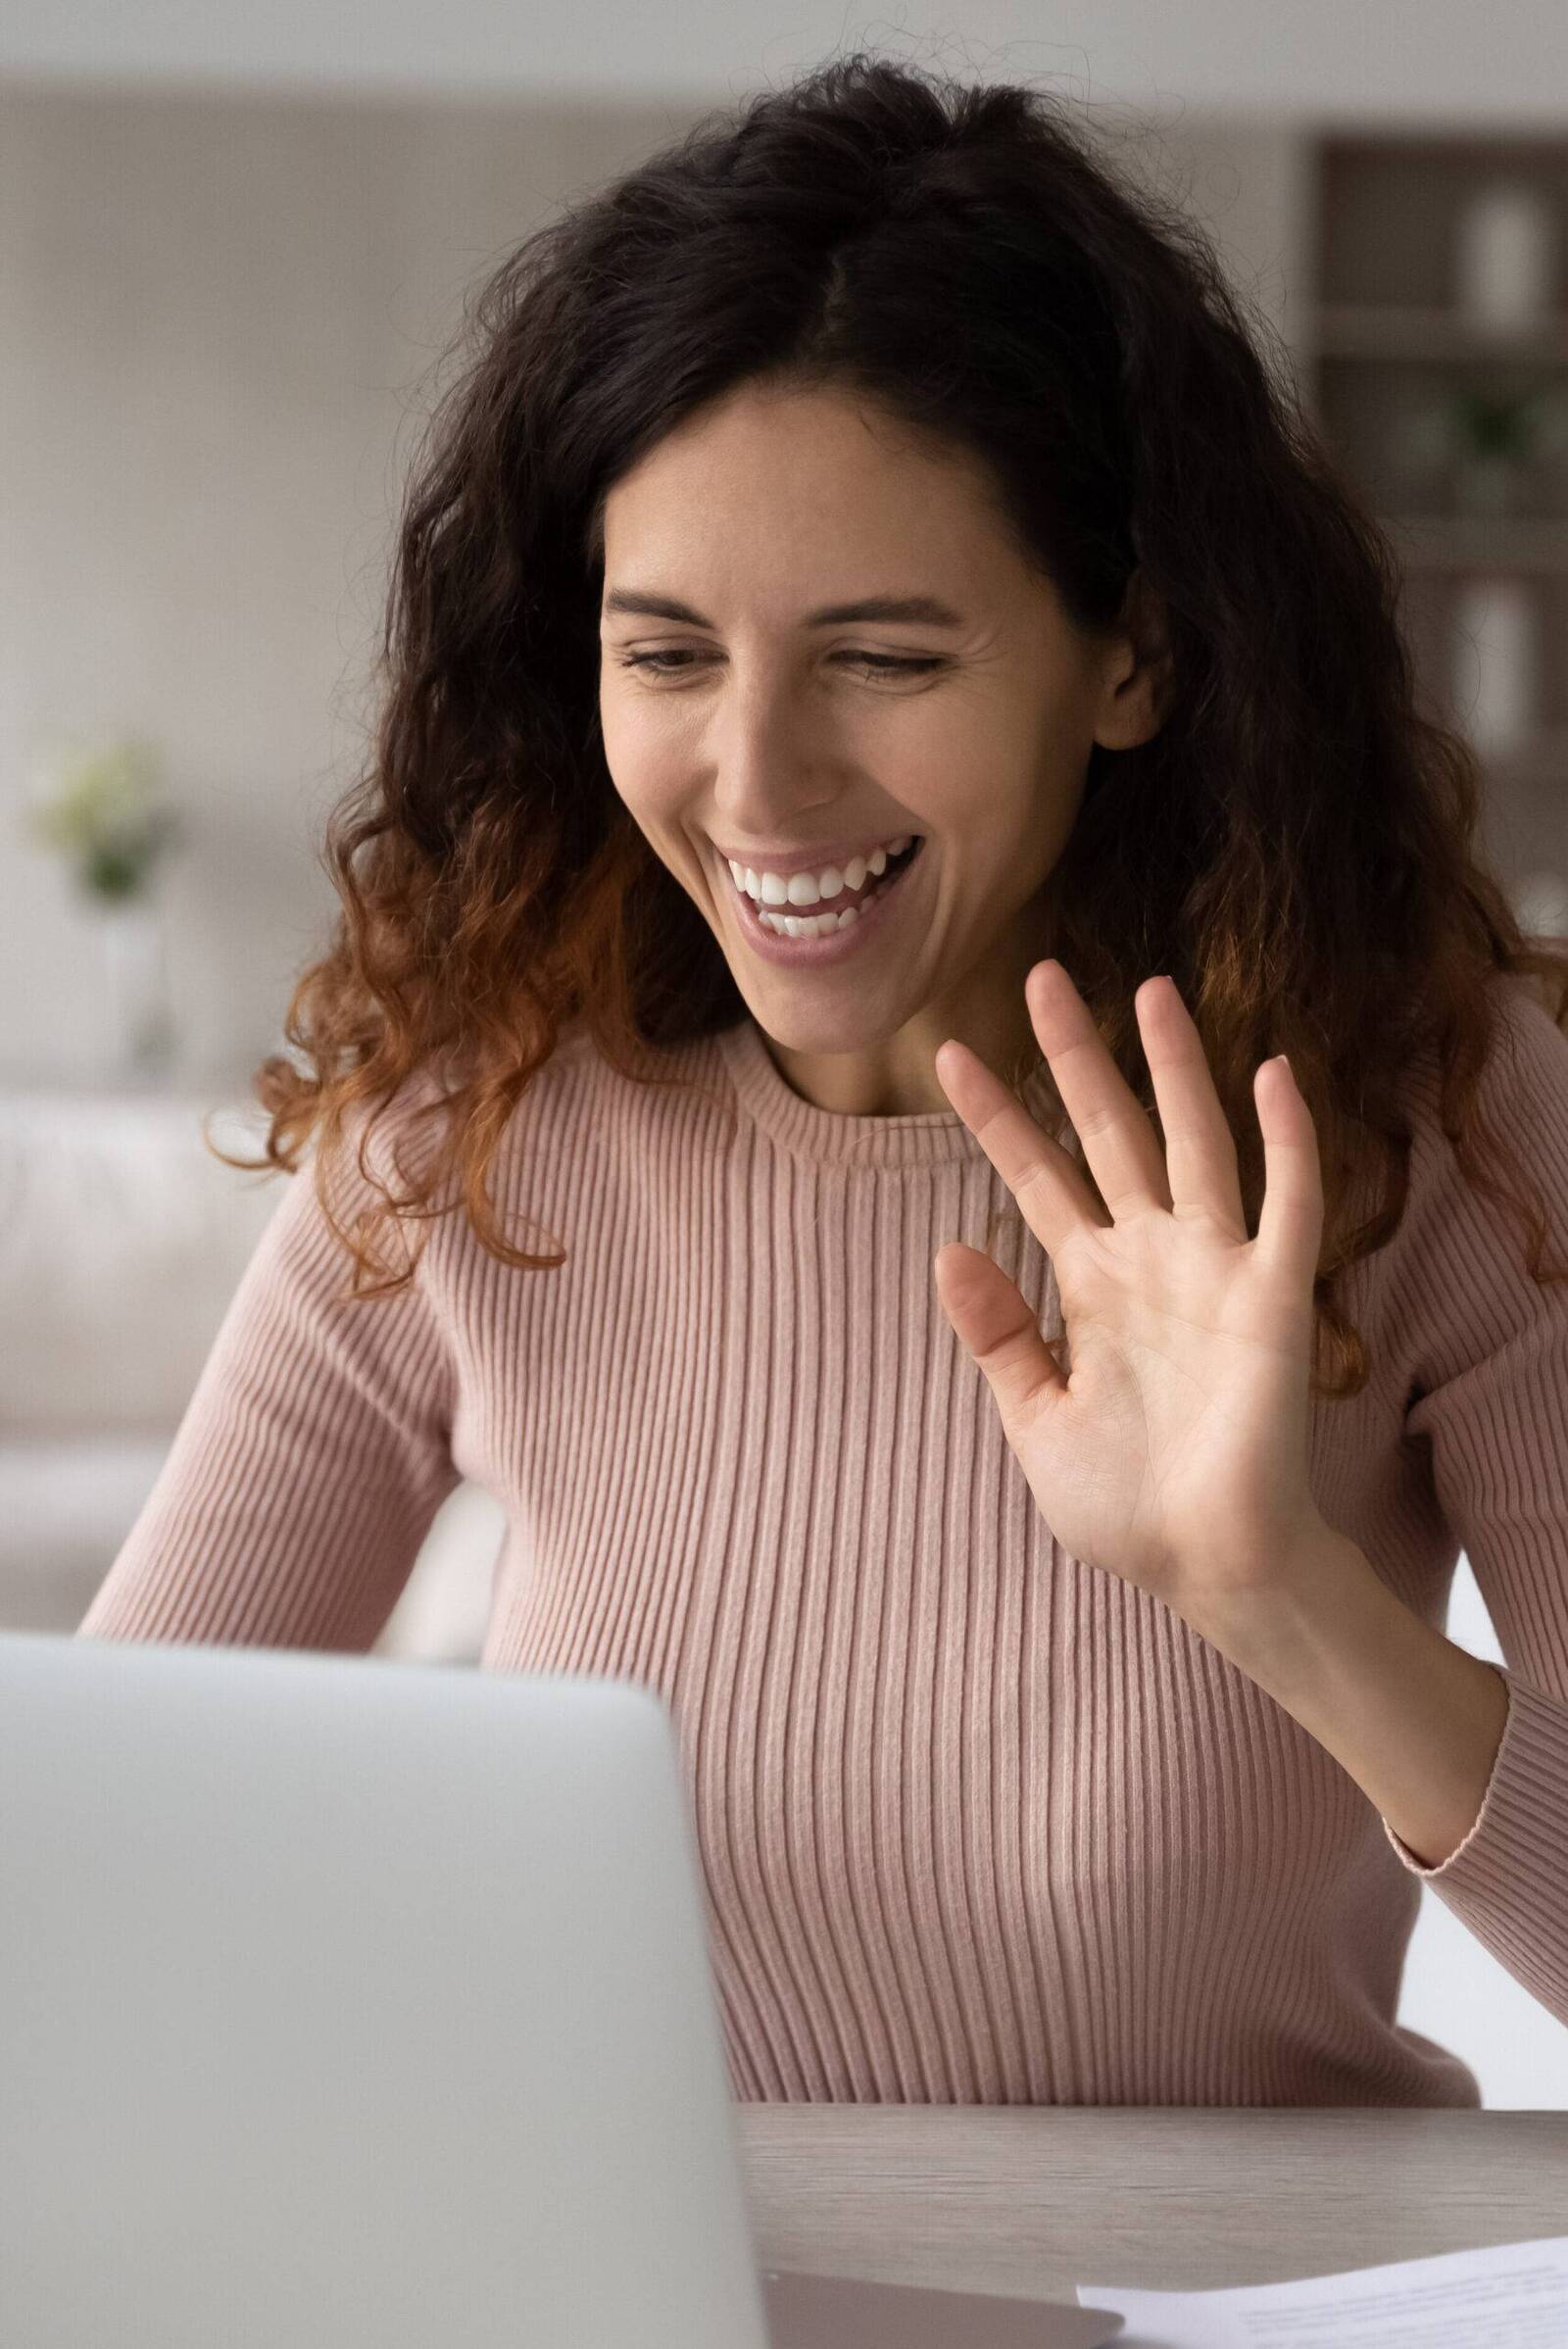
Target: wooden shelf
[(1439, 337), (1386, 335)]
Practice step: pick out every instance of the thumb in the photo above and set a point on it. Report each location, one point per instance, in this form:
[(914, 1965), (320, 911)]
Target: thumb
[(995, 1322)]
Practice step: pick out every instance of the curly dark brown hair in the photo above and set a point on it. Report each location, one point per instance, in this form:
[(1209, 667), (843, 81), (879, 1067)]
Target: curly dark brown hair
[(1297, 845)]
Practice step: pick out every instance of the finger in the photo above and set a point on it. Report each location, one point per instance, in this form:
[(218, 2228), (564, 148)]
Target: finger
[(1289, 1225), (1051, 1195), (1201, 1163), (1119, 1144), (997, 1324)]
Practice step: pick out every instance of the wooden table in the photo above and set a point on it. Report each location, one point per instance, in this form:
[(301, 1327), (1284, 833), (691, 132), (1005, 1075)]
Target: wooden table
[(1037, 2199)]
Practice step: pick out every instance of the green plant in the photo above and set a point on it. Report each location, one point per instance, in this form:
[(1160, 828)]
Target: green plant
[(101, 807), (1510, 427)]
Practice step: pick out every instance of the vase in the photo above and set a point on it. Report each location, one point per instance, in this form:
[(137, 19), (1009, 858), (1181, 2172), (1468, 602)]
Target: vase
[(1496, 652), (139, 1026), (1505, 259)]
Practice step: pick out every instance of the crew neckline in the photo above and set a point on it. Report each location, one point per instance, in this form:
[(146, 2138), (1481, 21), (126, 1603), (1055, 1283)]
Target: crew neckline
[(919, 1138)]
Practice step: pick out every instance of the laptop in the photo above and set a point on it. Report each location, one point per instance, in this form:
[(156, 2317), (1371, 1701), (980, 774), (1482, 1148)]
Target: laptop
[(348, 2003)]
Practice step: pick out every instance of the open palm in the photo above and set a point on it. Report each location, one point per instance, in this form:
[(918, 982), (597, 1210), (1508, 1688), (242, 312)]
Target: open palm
[(1171, 1446)]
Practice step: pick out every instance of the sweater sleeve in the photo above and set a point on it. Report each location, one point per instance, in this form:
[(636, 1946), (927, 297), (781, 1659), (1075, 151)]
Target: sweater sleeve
[(1490, 1392), (312, 1457)]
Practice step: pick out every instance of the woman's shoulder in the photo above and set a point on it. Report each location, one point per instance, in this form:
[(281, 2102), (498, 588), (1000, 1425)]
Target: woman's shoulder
[(1450, 1234), (1521, 1087), (1455, 1241)]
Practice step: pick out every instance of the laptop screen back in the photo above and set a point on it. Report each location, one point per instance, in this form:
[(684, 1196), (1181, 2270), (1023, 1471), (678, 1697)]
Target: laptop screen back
[(353, 2004)]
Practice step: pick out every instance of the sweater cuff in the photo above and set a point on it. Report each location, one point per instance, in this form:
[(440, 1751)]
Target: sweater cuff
[(1527, 1789)]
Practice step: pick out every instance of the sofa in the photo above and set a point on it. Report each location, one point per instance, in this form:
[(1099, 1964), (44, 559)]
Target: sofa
[(122, 1242)]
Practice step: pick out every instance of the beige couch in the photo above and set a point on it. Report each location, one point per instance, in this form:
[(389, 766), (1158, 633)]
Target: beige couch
[(121, 1239)]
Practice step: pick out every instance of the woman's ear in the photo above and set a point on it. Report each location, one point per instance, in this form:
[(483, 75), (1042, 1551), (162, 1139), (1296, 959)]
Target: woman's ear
[(1141, 681)]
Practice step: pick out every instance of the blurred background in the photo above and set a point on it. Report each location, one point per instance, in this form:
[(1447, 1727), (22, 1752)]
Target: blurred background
[(234, 246)]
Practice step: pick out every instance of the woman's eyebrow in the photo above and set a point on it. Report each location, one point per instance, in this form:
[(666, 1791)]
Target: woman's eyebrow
[(925, 611)]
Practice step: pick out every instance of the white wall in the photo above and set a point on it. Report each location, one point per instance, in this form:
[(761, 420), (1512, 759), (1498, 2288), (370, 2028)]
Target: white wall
[(1394, 57), (215, 313)]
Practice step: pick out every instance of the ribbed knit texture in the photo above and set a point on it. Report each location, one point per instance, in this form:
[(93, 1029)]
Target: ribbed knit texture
[(978, 1823)]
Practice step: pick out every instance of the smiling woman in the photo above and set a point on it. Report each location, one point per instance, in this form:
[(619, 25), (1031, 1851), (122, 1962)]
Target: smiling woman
[(872, 472), (805, 727)]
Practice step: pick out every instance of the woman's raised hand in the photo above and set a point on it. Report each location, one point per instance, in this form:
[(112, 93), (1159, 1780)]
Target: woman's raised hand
[(1173, 1453)]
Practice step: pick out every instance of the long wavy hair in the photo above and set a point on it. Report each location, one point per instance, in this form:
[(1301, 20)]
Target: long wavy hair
[(1297, 845)]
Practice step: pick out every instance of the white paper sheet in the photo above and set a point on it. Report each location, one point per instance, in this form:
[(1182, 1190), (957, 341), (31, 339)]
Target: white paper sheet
[(1508, 2292)]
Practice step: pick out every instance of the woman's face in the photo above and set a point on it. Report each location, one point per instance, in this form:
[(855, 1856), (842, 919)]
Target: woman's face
[(750, 724)]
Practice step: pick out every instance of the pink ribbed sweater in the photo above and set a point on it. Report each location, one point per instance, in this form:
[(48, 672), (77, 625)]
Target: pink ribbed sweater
[(978, 1823)]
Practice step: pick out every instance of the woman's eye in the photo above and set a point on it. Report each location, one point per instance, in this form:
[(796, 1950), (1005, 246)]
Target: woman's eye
[(871, 661)]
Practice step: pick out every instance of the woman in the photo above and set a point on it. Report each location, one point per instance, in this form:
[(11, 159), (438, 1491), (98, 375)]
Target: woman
[(869, 501)]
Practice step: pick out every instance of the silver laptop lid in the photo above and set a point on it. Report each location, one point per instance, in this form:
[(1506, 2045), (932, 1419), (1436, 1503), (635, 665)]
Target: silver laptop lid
[(355, 2005)]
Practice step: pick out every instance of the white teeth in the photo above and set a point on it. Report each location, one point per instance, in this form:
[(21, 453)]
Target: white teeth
[(808, 888)]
